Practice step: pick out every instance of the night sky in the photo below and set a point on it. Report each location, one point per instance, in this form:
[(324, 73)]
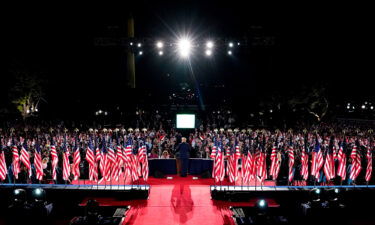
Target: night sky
[(312, 44)]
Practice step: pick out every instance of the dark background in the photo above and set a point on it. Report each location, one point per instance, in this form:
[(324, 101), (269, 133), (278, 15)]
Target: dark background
[(283, 47)]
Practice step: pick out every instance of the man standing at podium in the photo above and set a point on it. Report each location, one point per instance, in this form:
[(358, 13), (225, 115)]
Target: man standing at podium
[(182, 155)]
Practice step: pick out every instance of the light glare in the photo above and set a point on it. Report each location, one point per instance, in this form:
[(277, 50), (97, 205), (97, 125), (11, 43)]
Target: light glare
[(210, 44), (208, 52), (159, 44), (184, 47)]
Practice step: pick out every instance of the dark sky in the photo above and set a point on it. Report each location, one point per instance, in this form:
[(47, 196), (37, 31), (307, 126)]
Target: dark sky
[(313, 43)]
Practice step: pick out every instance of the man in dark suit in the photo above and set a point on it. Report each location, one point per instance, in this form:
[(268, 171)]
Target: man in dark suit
[(182, 155)]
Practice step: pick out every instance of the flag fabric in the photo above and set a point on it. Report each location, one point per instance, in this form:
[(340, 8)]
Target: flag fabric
[(15, 161), (90, 158), (260, 159), (329, 166), (25, 158), (142, 156), (3, 166), (38, 162), (341, 169), (305, 164), (230, 165), (128, 155), (291, 163), (213, 152), (76, 162), (219, 165), (237, 156), (369, 164), (66, 164), (104, 164), (134, 165), (55, 160), (356, 164), (273, 158), (317, 161), (249, 168)]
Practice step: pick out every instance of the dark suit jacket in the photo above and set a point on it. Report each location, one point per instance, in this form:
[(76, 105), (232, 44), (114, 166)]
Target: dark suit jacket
[(183, 150)]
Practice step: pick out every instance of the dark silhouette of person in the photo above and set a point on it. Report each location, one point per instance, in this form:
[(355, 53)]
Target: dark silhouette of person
[(182, 155)]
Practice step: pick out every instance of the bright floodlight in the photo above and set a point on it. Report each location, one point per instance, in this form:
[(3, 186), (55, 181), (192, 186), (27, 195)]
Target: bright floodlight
[(139, 45), (184, 47), (161, 53), (140, 53), (208, 52), (159, 44), (210, 44), (230, 44), (229, 52), (372, 107), (262, 203), (363, 106)]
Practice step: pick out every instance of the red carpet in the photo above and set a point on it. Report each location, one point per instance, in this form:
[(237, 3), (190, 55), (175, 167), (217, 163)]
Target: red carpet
[(178, 201)]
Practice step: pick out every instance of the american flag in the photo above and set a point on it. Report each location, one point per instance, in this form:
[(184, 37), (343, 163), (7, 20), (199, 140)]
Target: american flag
[(305, 164), (142, 156), (38, 162), (329, 166), (230, 164), (116, 167), (369, 164), (273, 158), (356, 164), (55, 160), (219, 164), (237, 156), (66, 164), (341, 157), (16, 161), (317, 161), (260, 159), (128, 155), (76, 161), (291, 163), (213, 151), (90, 158), (25, 158), (105, 166), (249, 168), (135, 165), (3, 166)]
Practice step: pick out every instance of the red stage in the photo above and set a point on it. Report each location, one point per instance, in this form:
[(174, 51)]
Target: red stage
[(178, 201)]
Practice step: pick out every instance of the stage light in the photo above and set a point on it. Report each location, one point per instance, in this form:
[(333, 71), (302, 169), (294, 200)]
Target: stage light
[(160, 53), (229, 52), (315, 195), (184, 47), (363, 106), (36, 109), (209, 44), (336, 190), (230, 45), (238, 43), (131, 43), (39, 194), (371, 107), (100, 111), (139, 45), (140, 53), (19, 196), (348, 107), (159, 44), (208, 52), (262, 204)]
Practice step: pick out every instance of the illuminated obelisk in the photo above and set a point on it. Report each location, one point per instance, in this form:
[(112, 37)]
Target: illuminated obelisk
[(130, 54)]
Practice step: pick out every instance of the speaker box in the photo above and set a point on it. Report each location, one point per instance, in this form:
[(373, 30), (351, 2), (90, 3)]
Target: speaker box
[(159, 174), (206, 174)]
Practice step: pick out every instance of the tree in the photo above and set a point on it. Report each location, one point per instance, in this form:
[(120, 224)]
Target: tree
[(313, 100), (26, 92)]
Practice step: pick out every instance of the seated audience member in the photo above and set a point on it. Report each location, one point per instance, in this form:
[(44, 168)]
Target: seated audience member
[(165, 155)]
